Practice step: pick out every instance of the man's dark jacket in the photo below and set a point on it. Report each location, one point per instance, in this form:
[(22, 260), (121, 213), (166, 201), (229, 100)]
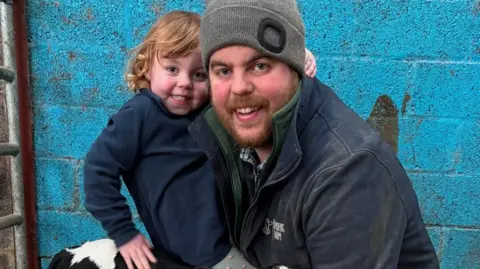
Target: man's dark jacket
[(337, 196)]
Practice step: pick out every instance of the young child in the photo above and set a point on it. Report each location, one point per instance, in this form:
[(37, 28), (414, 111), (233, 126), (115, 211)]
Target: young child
[(147, 144)]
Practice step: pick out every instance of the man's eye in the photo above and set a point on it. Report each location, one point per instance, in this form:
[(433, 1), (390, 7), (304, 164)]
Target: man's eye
[(223, 72), (261, 67)]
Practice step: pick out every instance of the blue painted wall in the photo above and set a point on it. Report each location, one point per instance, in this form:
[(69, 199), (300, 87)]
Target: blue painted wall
[(412, 68)]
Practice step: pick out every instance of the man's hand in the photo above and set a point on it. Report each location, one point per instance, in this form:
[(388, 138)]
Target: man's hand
[(310, 64), (138, 250)]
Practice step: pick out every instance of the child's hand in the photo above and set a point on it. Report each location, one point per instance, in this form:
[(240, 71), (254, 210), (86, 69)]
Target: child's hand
[(139, 251), (310, 64)]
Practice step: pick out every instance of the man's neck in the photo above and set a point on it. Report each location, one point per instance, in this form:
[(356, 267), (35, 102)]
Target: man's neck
[(264, 152)]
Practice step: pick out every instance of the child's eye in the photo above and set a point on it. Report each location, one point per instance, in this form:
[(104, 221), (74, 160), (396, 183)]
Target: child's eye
[(172, 69), (200, 76)]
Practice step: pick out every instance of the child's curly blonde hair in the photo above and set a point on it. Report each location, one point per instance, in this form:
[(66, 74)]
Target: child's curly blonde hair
[(176, 34)]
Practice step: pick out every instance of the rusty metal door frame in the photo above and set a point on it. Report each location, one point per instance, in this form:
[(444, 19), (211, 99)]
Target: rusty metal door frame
[(12, 148), (17, 89)]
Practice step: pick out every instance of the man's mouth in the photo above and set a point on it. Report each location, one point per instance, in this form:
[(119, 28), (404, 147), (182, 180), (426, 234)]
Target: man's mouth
[(246, 110)]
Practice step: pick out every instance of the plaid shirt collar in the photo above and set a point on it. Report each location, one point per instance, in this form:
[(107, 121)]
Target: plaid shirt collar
[(250, 156)]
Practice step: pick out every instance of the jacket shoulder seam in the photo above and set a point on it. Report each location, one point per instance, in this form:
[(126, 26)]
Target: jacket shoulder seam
[(337, 135), (390, 176), (333, 167)]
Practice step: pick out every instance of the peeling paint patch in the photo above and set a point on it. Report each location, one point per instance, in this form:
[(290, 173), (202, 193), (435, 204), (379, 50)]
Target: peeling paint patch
[(71, 55), (156, 8), (60, 77), (476, 10), (406, 100), (384, 118), (89, 14)]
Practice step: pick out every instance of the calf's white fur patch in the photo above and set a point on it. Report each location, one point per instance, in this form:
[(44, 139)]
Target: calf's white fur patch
[(101, 252)]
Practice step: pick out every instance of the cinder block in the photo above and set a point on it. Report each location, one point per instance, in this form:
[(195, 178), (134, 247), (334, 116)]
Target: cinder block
[(401, 29), (360, 82), (447, 90), (329, 26), (329, 71), (54, 183), (448, 200), (467, 152), (193, 6), (444, 28), (385, 28), (332, 71), (75, 23), (428, 144), (366, 81), (44, 262), (149, 11), (475, 16), (67, 132), (86, 77), (462, 249), (437, 237), (57, 230)]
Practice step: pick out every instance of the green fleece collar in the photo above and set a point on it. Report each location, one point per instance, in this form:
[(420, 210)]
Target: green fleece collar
[(280, 123)]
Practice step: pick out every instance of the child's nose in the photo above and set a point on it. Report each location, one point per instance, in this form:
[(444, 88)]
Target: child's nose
[(185, 81)]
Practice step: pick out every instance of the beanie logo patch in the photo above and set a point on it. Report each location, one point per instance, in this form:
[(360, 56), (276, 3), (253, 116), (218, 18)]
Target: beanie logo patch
[(272, 35)]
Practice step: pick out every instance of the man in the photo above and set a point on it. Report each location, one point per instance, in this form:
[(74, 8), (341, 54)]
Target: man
[(304, 181)]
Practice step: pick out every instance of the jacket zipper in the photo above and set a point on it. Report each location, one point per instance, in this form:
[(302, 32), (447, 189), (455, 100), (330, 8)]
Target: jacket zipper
[(255, 198)]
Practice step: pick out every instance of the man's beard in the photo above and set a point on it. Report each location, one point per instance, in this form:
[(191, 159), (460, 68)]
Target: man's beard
[(227, 116), (262, 138)]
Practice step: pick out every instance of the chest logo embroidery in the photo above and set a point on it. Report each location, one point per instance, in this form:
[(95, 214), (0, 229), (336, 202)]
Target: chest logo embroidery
[(275, 227)]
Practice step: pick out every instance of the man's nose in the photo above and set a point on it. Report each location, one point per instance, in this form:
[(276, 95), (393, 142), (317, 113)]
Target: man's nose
[(241, 85)]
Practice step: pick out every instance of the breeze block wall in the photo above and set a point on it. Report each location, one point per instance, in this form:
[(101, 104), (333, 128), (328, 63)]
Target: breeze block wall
[(410, 68)]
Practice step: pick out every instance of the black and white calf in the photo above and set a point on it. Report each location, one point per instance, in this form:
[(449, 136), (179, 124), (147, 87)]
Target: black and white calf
[(102, 254)]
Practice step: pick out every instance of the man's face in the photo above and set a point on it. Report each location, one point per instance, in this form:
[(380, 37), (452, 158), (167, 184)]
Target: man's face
[(247, 88)]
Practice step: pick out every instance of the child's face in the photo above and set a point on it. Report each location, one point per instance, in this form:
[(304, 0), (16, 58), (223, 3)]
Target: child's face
[(181, 83)]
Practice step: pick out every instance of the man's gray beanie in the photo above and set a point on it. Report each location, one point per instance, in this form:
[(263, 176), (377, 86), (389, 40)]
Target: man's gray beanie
[(273, 27)]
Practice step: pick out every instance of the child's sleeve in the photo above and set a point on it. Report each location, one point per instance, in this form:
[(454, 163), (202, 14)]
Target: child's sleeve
[(110, 156)]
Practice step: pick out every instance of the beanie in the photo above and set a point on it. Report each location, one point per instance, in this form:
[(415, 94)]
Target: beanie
[(273, 27)]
